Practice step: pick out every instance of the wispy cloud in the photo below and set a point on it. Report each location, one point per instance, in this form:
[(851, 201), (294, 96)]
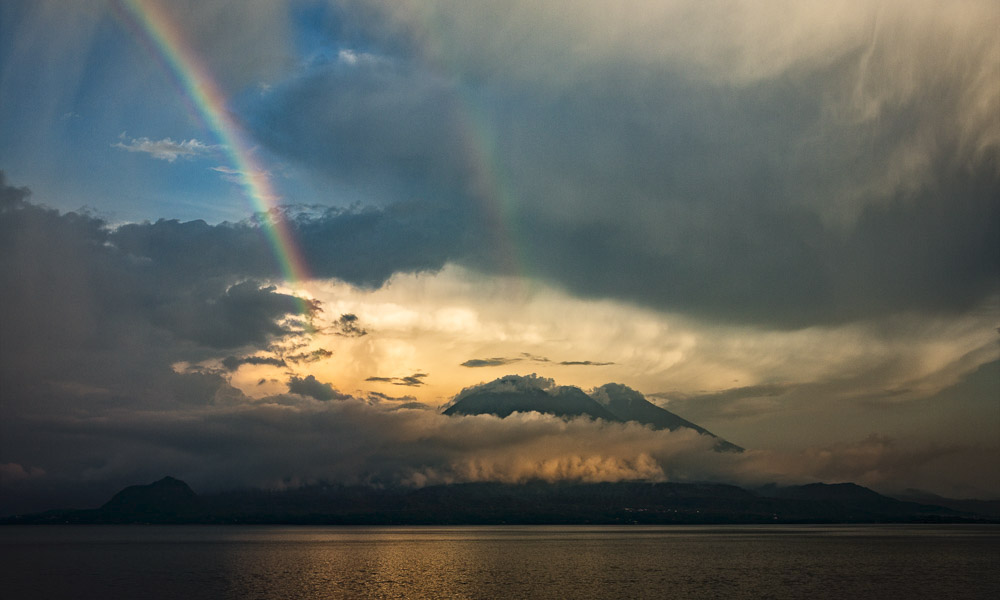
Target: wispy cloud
[(499, 361), (415, 380), (166, 149), (584, 363), (496, 361), (348, 326)]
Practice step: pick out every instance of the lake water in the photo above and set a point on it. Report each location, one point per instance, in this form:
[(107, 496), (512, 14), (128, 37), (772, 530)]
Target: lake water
[(928, 561)]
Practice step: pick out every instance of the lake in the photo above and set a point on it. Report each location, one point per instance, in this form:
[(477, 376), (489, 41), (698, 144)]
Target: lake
[(781, 561)]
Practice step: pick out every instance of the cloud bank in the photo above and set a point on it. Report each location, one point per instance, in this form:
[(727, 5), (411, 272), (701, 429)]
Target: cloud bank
[(291, 440), (736, 169)]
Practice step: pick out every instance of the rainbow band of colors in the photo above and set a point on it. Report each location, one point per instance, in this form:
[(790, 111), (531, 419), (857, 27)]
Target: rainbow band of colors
[(158, 30)]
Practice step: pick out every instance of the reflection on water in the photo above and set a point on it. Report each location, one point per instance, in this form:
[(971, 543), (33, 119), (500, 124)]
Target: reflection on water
[(500, 562)]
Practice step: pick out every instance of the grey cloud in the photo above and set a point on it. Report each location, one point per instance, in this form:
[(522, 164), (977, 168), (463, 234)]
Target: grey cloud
[(584, 363), (376, 397), (361, 246), (310, 386), (415, 380), (88, 307), (12, 197), (767, 198), (499, 361), (348, 326), (232, 363), (309, 357), (496, 361), (397, 125), (738, 402), (413, 406), (242, 42), (533, 358), (287, 441), (245, 314), (881, 462)]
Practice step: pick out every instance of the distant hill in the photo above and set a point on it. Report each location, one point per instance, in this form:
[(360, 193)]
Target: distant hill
[(167, 498), (172, 501), (611, 402), (990, 508)]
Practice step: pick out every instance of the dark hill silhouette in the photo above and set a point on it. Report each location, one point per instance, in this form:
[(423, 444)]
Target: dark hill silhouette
[(166, 499), (990, 508), (172, 501)]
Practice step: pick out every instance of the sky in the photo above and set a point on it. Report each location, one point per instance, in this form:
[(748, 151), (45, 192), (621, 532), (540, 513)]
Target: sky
[(261, 243)]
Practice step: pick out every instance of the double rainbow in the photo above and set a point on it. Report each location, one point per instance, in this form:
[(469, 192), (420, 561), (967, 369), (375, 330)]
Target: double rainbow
[(156, 29)]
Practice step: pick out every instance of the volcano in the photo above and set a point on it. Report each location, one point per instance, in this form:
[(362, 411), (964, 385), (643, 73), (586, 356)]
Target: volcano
[(611, 402)]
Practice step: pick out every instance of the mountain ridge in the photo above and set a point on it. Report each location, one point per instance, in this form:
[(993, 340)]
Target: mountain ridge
[(535, 502)]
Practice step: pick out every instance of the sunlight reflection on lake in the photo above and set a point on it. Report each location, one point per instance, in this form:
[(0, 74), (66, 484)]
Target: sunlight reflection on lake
[(500, 562)]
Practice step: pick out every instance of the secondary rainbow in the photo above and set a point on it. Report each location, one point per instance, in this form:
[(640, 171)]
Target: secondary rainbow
[(159, 31)]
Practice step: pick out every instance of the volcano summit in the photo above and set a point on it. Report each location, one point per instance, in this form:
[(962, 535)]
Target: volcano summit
[(612, 402)]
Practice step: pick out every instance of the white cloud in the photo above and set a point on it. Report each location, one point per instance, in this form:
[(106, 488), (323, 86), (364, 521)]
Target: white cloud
[(848, 374), (353, 58), (166, 149)]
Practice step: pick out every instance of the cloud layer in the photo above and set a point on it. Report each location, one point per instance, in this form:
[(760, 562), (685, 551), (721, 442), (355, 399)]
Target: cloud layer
[(775, 175)]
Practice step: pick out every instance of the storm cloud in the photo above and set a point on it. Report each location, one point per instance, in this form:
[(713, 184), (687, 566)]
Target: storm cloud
[(786, 192), (310, 386)]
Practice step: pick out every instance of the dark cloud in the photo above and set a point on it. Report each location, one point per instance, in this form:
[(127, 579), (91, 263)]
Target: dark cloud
[(287, 441), (415, 380), (363, 246), (12, 197), (310, 386), (94, 317), (499, 361), (309, 357), (733, 403), (247, 313), (496, 361), (584, 363), (402, 133), (767, 202), (231, 363), (348, 326), (407, 401)]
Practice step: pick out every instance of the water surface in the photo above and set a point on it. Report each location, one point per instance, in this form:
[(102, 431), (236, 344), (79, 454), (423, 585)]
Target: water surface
[(872, 561)]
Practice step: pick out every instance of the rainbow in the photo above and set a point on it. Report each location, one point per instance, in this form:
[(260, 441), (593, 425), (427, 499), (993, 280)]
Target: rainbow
[(155, 29)]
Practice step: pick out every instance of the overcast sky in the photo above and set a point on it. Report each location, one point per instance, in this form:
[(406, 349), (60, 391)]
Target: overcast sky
[(780, 220)]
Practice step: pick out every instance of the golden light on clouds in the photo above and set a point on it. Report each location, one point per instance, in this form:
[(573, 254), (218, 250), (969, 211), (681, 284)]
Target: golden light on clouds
[(427, 336)]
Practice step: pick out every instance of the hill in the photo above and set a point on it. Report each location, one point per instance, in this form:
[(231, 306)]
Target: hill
[(168, 501)]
